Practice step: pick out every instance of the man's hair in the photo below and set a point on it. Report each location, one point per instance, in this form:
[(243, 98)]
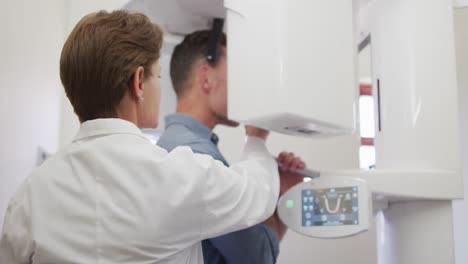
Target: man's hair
[(100, 57), (186, 54)]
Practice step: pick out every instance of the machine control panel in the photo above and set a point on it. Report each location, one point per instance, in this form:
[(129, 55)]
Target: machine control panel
[(327, 207)]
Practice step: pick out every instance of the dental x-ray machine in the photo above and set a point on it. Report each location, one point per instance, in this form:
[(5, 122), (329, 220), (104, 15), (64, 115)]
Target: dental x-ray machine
[(301, 55)]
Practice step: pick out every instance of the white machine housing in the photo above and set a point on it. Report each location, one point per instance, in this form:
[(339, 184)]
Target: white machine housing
[(295, 208), (291, 65)]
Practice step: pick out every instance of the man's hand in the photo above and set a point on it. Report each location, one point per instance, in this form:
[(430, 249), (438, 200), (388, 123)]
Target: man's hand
[(289, 164), (288, 178)]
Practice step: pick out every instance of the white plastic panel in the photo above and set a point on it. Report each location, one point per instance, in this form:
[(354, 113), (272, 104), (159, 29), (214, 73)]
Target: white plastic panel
[(417, 135), (292, 64), (416, 232), (179, 17), (407, 184), (414, 63)]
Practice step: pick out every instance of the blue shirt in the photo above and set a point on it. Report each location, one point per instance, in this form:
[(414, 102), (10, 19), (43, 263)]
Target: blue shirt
[(255, 245)]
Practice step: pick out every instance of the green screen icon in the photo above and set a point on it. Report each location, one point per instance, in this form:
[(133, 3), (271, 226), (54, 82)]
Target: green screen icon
[(289, 204)]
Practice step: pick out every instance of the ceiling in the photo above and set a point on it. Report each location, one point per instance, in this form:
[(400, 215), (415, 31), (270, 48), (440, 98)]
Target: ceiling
[(179, 17)]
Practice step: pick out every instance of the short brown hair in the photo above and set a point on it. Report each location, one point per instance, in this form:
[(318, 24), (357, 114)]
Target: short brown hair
[(100, 56), (191, 49)]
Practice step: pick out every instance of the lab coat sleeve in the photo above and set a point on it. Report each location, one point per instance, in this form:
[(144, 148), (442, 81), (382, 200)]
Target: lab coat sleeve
[(242, 195), (15, 244)]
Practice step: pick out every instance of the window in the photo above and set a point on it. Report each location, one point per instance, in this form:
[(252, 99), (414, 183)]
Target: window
[(366, 105), (367, 125)]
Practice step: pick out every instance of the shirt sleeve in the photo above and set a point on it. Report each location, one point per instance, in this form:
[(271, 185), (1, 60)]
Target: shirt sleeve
[(242, 195), (15, 244), (257, 244)]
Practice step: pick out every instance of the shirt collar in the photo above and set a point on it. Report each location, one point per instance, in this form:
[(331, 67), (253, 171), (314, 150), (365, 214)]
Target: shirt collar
[(105, 126), (193, 125)]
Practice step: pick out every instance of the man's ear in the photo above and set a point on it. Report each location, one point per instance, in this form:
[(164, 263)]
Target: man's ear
[(137, 85), (203, 78)]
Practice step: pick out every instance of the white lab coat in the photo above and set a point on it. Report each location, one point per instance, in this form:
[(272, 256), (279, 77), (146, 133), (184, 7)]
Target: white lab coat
[(113, 197)]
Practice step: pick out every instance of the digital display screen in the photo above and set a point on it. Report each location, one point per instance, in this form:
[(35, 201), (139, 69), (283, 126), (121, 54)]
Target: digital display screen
[(330, 207)]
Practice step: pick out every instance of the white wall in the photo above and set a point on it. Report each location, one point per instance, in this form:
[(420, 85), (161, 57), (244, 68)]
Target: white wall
[(30, 45), (461, 207)]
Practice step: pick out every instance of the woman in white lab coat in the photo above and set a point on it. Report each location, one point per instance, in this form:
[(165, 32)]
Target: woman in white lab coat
[(113, 197)]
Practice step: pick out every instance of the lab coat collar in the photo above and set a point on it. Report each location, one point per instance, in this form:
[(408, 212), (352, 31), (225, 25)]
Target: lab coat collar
[(106, 126)]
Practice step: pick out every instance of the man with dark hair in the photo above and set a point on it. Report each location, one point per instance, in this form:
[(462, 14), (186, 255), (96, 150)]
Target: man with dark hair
[(200, 85)]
